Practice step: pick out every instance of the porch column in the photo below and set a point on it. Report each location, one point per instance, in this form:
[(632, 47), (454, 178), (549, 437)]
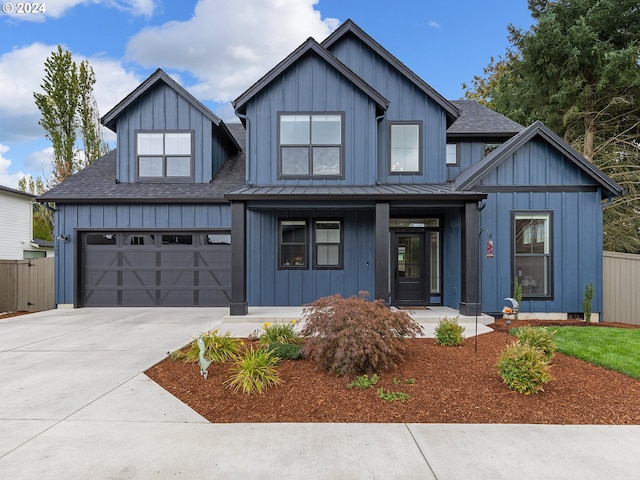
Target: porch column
[(469, 294), (238, 304), (381, 272)]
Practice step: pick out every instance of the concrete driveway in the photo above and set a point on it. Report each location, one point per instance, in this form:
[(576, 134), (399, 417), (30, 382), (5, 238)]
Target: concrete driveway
[(74, 403)]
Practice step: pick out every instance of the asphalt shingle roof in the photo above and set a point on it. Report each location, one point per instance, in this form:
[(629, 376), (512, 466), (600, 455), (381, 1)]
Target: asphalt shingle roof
[(477, 120), (97, 183)]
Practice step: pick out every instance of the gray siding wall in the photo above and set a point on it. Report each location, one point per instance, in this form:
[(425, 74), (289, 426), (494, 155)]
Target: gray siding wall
[(163, 109), (311, 86), (266, 285), (69, 218), (407, 103)]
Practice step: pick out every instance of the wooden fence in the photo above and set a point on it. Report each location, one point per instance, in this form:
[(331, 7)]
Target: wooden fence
[(26, 285), (621, 287)]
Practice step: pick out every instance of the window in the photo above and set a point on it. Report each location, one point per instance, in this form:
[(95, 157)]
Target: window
[(487, 148), (293, 244), (311, 145), (328, 244), (405, 148), (532, 249), (164, 154), (452, 154)]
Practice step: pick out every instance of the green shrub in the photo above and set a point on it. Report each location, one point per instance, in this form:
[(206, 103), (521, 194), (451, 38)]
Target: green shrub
[(286, 351), (278, 333), (352, 336), (253, 371), (523, 369), (449, 332), (365, 381), (218, 348), (587, 300), (539, 338), (392, 396)]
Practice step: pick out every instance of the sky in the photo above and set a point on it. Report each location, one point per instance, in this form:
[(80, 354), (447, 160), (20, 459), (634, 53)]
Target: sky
[(216, 49)]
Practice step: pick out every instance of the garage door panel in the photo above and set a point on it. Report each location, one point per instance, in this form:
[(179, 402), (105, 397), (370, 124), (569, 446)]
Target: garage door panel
[(137, 269)]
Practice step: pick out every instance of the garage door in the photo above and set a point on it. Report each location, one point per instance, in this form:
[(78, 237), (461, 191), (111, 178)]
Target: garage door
[(182, 269)]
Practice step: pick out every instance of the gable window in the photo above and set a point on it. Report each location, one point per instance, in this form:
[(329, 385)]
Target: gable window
[(487, 148), (328, 244), (164, 155), (532, 253), (293, 244), (311, 145), (452, 154), (405, 148)]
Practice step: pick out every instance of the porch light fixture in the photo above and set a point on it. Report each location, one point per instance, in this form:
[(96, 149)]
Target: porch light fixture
[(64, 237)]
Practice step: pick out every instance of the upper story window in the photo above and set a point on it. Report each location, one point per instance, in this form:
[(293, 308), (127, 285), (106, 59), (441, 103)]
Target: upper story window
[(311, 145), (452, 154), (405, 148), (487, 148), (164, 155)]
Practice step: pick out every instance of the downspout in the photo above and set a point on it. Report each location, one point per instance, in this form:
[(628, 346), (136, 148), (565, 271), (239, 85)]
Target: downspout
[(246, 146)]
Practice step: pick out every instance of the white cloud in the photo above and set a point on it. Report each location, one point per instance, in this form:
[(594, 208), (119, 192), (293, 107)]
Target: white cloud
[(228, 45), (7, 179), (58, 8), (21, 72), (434, 24)]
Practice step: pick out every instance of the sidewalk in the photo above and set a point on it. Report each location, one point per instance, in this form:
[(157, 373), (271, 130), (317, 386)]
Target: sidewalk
[(74, 403)]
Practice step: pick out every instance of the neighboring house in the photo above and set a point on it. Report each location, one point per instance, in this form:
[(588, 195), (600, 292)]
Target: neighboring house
[(16, 226), (355, 175)]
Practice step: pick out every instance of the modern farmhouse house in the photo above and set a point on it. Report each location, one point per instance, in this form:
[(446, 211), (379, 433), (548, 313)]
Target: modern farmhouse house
[(346, 173)]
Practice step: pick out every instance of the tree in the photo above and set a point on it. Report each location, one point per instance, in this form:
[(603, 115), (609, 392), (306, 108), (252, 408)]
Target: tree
[(42, 216), (68, 106), (577, 70)]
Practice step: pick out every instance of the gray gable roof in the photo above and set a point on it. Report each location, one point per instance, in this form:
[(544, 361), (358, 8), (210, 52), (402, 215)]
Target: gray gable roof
[(309, 47), (350, 28), (110, 120), (470, 178), (476, 120), (16, 192), (97, 183)]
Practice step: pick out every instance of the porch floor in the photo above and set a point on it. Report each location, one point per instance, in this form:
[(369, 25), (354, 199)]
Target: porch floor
[(243, 325)]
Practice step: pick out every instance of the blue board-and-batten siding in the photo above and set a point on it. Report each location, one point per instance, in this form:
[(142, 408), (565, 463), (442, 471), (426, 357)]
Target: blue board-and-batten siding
[(72, 219), (539, 173), (163, 109), (407, 103), (311, 85), (268, 285)]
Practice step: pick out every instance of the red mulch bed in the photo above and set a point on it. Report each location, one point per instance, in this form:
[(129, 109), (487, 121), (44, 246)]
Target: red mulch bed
[(452, 385)]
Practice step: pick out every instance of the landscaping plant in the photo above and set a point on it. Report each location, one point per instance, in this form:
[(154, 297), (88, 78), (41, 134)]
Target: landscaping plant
[(539, 338), (449, 332), (523, 369), (364, 381), (286, 351), (253, 371), (278, 333), (586, 302), (353, 336), (392, 396), (218, 348), (517, 296)]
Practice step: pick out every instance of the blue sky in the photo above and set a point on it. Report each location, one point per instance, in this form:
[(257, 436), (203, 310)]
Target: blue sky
[(218, 48)]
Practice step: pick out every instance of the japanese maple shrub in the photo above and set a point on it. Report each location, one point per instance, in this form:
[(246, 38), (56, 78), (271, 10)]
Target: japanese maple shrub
[(352, 336)]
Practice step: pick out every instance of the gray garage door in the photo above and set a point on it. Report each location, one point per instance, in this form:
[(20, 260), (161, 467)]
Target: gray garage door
[(178, 269)]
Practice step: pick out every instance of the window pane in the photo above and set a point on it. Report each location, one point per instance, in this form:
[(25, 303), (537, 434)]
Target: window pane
[(326, 160), (292, 255), (327, 231), (405, 151), (489, 147), (215, 239), (150, 143), (326, 130), (533, 275), (134, 239), (150, 166), (295, 160), (177, 239), (178, 166), (532, 234), (294, 130), (452, 153), (100, 239), (328, 255), (293, 231), (434, 258), (177, 144)]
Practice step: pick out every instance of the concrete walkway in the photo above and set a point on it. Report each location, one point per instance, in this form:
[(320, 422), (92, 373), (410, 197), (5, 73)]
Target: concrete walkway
[(74, 404)]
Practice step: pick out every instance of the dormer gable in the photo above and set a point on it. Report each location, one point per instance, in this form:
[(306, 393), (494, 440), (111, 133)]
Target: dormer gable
[(350, 29), (164, 134)]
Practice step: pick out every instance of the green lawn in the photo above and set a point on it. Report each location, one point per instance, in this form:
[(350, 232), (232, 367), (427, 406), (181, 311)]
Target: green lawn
[(612, 348)]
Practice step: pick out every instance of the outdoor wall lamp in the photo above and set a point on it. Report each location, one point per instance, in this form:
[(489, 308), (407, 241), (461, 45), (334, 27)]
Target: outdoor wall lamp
[(64, 237)]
